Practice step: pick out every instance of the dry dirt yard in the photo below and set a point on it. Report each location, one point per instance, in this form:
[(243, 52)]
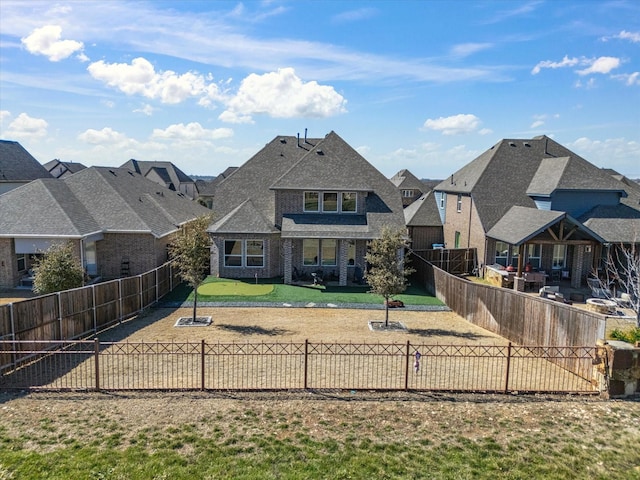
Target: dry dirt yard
[(258, 324)]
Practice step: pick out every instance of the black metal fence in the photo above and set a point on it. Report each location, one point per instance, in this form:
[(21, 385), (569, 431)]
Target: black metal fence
[(112, 366)]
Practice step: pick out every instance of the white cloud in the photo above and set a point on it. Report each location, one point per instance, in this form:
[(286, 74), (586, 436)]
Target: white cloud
[(106, 136), (140, 78), (629, 79), (618, 153), (146, 109), (566, 62), (4, 115), (354, 15), (633, 37), (593, 65), (466, 49), (191, 131), (601, 65), (589, 84), (24, 126), (454, 125), (282, 94), (47, 41)]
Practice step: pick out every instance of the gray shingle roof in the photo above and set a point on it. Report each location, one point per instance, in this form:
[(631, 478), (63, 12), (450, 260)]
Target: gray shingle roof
[(521, 224), (423, 212), (501, 176), (325, 226), (142, 167), (95, 199), (18, 165), (245, 217), (614, 223), (316, 164), (405, 180)]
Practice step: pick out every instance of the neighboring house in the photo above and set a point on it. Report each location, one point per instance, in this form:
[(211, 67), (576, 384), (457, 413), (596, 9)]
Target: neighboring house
[(409, 185), (424, 225), (60, 169), (166, 174), (206, 189), (119, 222), (539, 202), (17, 166), (301, 206)]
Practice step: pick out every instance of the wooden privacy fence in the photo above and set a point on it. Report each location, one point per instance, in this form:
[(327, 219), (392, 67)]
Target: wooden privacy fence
[(456, 261), (113, 366), (82, 312), (516, 316)]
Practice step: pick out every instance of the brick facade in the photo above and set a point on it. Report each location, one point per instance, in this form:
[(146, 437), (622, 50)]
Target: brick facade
[(467, 223), (273, 259), (9, 275), (143, 251)]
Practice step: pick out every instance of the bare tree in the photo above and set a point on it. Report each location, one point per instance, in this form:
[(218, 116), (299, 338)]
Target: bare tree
[(388, 270), (191, 253), (622, 275)]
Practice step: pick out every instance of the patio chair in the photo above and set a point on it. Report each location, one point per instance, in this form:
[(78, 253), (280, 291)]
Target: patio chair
[(597, 289)]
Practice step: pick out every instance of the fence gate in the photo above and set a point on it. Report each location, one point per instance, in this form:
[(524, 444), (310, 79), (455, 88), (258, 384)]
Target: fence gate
[(456, 261)]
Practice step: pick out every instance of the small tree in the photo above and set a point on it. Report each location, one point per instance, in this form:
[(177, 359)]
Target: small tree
[(190, 252), (622, 270), (388, 270), (59, 269)]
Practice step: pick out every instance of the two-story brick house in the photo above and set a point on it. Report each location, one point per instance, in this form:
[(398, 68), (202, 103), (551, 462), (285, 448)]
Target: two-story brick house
[(534, 201), (300, 206)]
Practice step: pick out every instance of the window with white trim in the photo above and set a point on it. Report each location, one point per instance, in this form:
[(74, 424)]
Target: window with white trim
[(502, 253), (559, 256), (407, 193), (349, 202), (310, 251), (319, 252), (244, 253), (330, 202), (459, 205), (328, 252)]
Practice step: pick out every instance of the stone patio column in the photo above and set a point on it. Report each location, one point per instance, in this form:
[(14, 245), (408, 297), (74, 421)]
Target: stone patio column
[(518, 284), (577, 267), (287, 245), (342, 261)]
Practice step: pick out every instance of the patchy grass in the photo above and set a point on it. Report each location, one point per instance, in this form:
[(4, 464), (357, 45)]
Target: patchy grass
[(294, 436), (281, 293)]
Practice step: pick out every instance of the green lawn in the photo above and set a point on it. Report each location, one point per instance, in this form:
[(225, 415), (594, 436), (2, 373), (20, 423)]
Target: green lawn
[(249, 291)]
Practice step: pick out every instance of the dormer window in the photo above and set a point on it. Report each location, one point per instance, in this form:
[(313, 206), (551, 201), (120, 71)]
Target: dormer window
[(407, 193)]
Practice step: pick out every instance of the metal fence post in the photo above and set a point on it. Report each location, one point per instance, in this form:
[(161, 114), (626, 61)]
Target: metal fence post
[(306, 362), (95, 313), (406, 367), (202, 375), (506, 381), (96, 349), (60, 336)]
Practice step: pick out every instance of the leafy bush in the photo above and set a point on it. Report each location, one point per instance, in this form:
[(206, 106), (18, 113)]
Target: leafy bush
[(630, 336)]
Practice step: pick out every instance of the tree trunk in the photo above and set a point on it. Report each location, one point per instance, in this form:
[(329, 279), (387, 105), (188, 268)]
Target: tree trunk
[(386, 312), (195, 302)]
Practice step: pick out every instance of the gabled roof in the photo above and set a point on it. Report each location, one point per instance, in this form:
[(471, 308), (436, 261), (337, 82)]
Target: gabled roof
[(17, 165), (176, 175), (502, 176), (570, 173), (521, 224), (246, 217), (423, 212), (44, 207), (287, 163), (95, 199), (405, 180), (614, 223), (66, 167)]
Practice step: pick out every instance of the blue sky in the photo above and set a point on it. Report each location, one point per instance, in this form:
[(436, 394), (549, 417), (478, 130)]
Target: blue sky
[(423, 85)]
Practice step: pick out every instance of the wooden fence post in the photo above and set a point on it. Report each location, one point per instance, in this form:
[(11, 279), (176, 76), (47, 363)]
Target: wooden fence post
[(121, 300), (96, 349), (506, 381), (59, 316)]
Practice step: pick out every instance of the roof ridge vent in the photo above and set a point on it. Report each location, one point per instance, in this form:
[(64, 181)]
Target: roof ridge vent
[(526, 144), (512, 144), (319, 152)]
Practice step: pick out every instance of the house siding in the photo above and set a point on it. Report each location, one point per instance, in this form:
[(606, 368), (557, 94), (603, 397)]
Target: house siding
[(467, 223), (423, 238)]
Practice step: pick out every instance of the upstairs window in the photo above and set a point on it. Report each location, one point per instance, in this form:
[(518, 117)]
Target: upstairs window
[(330, 202), (349, 202), (311, 202), (407, 193), (459, 205)]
